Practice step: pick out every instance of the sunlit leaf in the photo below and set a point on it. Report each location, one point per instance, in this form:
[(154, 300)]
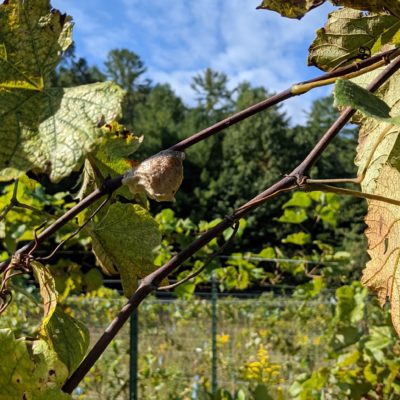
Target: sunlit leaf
[(29, 373), (123, 241), (290, 8), (68, 338), (299, 199), (382, 273), (350, 35), (299, 238), (349, 94), (32, 39), (47, 288), (44, 128), (392, 6), (382, 178), (293, 216), (55, 128)]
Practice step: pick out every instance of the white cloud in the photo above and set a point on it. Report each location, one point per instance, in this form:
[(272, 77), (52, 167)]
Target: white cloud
[(178, 39)]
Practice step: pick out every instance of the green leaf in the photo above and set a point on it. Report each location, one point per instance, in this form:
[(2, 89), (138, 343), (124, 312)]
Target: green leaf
[(68, 337), (185, 290), (290, 8), (299, 199), (93, 279), (293, 216), (346, 33), (267, 252), (381, 337), (299, 238), (349, 94), (55, 128), (109, 160), (123, 242), (33, 37), (19, 224), (350, 303), (49, 129), (261, 393), (29, 373), (47, 288), (348, 359), (371, 5)]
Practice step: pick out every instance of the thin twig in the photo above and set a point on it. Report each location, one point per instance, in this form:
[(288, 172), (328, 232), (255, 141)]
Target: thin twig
[(206, 263), (103, 203), (108, 187), (349, 192), (9, 206)]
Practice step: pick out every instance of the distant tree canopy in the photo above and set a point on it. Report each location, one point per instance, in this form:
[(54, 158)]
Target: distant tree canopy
[(226, 169)]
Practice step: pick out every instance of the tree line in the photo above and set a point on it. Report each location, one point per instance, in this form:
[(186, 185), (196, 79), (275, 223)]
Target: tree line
[(226, 169)]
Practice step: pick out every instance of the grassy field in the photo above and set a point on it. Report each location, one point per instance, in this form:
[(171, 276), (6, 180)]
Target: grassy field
[(267, 339)]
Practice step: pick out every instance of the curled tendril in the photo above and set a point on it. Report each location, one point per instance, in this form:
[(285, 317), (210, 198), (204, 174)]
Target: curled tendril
[(363, 53), (20, 264)]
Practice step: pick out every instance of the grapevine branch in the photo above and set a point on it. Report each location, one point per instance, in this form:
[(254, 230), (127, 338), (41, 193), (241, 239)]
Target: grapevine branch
[(110, 185), (150, 283)]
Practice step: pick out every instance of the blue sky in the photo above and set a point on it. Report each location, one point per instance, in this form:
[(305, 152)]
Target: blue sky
[(178, 39)]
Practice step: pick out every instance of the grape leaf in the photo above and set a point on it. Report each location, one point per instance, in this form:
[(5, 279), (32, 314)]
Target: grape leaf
[(26, 374), (382, 274), (64, 131), (392, 6), (350, 94), (110, 160), (290, 8), (68, 337), (47, 287), (49, 129), (123, 242), (299, 238), (20, 223), (297, 8), (378, 142), (32, 39), (346, 32)]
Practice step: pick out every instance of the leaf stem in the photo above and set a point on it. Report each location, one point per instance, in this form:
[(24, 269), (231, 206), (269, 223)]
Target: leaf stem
[(348, 192)]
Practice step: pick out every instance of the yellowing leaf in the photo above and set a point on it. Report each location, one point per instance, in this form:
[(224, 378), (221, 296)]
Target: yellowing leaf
[(382, 273), (32, 38), (110, 159), (44, 128), (378, 142), (290, 8), (393, 6), (379, 156), (29, 373), (123, 241), (297, 8), (47, 288), (346, 33), (55, 129), (67, 337)]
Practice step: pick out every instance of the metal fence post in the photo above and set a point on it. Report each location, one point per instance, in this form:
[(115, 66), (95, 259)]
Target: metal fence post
[(214, 320), (133, 356)]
